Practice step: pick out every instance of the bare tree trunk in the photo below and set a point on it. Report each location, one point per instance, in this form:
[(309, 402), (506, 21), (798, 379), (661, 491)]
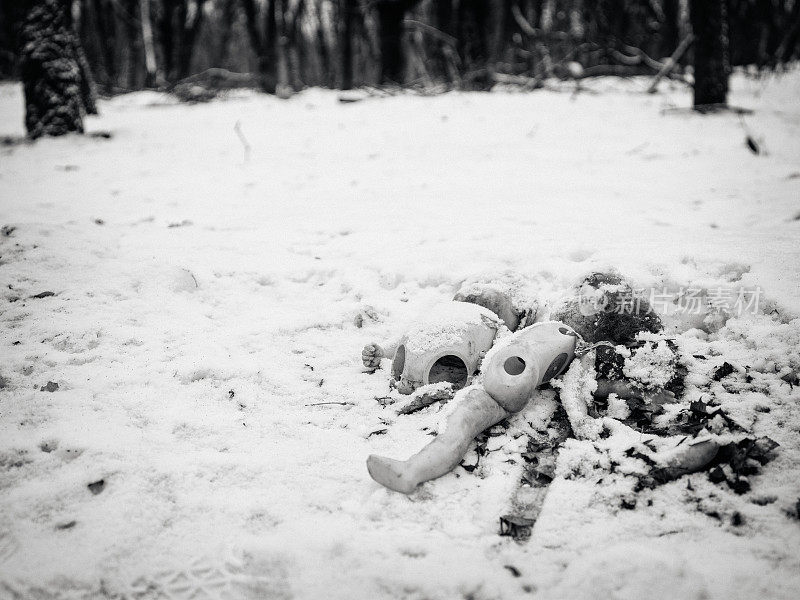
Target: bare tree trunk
[(495, 31), (134, 45), (327, 36), (7, 53), (189, 32), (390, 24), (788, 46), (349, 8), (283, 88), (106, 34), (270, 75), (228, 17), (167, 30), (150, 66), (88, 86), (49, 68), (293, 47), (670, 29), (711, 63), (481, 23), (264, 44), (547, 14)]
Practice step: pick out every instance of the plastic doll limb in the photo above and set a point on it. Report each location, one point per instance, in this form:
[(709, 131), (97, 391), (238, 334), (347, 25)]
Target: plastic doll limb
[(477, 411), (372, 353), (492, 299)]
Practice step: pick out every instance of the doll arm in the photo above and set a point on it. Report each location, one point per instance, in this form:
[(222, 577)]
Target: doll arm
[(372, 353)]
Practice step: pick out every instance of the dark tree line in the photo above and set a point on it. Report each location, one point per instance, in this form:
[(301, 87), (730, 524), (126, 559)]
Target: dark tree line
[(132, 44), (286, 45)]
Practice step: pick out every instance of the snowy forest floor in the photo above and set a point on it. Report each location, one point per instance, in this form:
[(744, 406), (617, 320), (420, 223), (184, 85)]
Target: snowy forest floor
[(206, 294)]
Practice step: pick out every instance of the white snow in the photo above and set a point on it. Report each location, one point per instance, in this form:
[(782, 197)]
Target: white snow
[(653, 365), (202, 335), (448, 324)]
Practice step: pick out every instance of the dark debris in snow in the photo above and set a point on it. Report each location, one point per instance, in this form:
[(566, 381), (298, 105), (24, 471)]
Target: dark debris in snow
[(737, 461), (791, 379), (723, 371), (518, 528), (97, 486)]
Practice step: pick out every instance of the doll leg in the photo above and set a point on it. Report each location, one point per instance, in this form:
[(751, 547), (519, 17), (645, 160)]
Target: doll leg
[(477, 411)]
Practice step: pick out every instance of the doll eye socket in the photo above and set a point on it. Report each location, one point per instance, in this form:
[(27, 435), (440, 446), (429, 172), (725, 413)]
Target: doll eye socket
[(451, 369), (514, 365)]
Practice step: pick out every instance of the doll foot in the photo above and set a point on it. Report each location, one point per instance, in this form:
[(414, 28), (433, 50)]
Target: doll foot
[(390, 473), (690, 456)]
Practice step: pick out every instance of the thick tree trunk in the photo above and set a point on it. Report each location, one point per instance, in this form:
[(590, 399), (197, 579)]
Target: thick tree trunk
[(390, 24), (49, 67), (711, 63), (349, 8)]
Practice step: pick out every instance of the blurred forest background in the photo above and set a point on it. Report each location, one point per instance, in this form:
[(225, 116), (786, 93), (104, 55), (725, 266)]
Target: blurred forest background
[(64, 51), (286, 45)]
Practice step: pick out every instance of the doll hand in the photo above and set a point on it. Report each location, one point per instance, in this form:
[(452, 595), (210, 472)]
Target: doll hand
[(371, 356)]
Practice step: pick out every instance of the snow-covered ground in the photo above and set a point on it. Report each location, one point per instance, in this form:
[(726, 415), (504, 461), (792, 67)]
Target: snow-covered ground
[(203, 337)]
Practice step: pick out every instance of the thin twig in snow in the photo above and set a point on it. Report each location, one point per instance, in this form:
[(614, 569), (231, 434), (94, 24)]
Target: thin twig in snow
[(238, 129)]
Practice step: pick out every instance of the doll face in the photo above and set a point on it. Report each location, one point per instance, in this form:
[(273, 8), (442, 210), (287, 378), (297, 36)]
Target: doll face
[(525, 360), (446, 345), (450, 367)]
